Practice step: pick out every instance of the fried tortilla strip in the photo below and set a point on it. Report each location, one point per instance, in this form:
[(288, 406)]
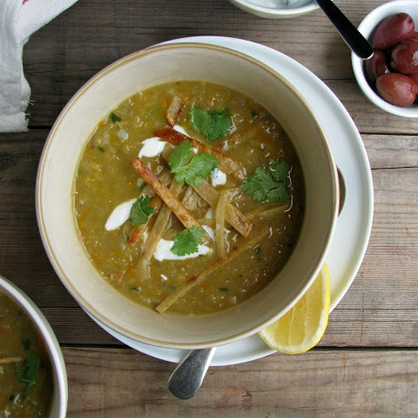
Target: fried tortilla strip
[(232, 215), (191, 200), (220, 223), (181, 291), (269, 212), (117, 276), (183, 215), (137, 232), (10, 360), (226, 164), (156, 234), (174, 110)]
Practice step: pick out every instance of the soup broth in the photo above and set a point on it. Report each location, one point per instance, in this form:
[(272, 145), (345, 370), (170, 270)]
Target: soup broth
[(241, 221), (26, 384)]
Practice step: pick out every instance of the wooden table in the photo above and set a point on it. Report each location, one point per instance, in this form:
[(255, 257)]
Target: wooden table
[(366, 364)]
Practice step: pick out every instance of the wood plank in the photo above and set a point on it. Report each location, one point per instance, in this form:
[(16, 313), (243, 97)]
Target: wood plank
[(72, 326), (375, 375), (379, 309), (64, 54), (392, 151), (386, 282), (368, 118), (321, 383), (22, 257)]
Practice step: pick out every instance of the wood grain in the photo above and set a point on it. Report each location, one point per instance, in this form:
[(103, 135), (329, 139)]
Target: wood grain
[(379, 309), (348, 384), (366, 365), (63, 55)]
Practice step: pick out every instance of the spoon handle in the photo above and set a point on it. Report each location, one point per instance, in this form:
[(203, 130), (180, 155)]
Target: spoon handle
[(352, 37), (187, 377)]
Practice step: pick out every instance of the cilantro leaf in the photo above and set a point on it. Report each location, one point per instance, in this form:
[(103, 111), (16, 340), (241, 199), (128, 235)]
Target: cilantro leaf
[(141, 210), (270, 184), (181, 155), (212, 125), (200, 166), (222, 122), (28, 373), (279, 193), (188, 241), (115, 118), (279, 169)]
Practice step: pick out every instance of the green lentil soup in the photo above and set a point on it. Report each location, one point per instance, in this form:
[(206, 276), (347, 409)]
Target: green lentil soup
[(26, 383), (189, 197)]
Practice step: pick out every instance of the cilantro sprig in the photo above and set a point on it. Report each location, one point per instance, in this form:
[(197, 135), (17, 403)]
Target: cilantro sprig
[(212, 125), (140, 211), (187, 241), (114, 117), (28, 373), (269, 184), (188, 169)]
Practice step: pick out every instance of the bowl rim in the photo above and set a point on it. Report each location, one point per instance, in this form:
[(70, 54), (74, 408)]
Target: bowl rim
[(53, 346), (54, 259), (367, 28), (274, 12)]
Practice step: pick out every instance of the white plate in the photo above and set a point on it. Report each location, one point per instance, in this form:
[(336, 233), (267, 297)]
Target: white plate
[(355, 221)]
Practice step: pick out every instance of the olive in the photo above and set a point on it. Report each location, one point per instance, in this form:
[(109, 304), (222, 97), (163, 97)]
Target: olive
[(404, 57), (376, 66), (397, 89), (392, 30), (414, 78)]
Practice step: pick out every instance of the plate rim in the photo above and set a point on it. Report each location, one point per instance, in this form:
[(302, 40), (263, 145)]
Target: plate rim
[(257, 345), (274, 12)]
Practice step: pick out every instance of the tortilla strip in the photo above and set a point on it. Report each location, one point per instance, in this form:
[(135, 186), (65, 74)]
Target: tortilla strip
[(220, 223), (156, 234), (137, 232), (10, 360), (183, 215), (173, 111), (232, 215), (191, 200), (193, 281), (226, 164), (268, 213), (117, 276)]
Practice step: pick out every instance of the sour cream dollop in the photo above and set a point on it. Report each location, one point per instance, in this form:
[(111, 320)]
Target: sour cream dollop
[(151, 147), (217, 177), (178, 128), (163, 251), (119, 215)]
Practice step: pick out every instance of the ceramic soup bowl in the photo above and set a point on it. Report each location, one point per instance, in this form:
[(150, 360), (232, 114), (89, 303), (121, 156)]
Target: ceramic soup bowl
[(62, 152)]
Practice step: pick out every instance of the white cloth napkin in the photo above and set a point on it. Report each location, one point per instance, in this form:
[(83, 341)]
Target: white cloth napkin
[(18, 21)]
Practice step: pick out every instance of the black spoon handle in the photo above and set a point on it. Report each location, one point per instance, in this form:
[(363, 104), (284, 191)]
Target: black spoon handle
[(352, 37)]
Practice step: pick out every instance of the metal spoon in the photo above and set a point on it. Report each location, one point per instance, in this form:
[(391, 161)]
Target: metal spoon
[(187, 377), (352, 37)]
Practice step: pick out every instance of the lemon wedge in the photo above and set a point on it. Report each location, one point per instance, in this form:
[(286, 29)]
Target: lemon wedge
[(302, 327)]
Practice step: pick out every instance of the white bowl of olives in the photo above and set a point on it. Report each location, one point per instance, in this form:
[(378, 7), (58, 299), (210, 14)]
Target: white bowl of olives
[(390, 78)]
